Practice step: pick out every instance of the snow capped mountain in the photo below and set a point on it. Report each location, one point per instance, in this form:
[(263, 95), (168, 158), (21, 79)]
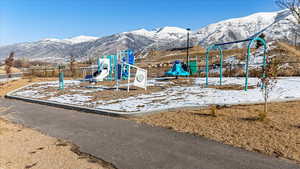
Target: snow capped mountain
[(143, 32), (80, 39), (171, 32), (165, 33), (163, 38), (74, 40), (240, 29)]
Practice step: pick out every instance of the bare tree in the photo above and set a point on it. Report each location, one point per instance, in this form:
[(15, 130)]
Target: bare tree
[(9, 63), (72, 65), (294, 7), (267, 82)]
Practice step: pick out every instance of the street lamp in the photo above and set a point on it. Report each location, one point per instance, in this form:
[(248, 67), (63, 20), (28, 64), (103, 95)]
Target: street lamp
[(187, 48)]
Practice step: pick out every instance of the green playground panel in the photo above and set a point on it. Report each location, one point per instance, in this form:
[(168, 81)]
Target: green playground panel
[(193, 67)]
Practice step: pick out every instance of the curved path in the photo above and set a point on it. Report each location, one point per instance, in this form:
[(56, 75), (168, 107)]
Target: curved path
[(129, 145)]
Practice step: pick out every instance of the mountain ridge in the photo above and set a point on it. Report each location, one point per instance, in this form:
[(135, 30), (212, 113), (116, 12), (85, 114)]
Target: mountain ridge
[(143, 40)]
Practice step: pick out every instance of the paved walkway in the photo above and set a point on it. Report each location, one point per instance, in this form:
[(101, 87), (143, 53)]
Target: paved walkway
[(134, 146)]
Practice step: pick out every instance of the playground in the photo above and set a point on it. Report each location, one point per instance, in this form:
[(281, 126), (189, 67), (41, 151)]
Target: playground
[(160, 94)]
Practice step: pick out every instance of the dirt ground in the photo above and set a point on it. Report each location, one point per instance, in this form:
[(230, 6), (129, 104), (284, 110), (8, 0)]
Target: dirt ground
[(278, 135), (21, 147), (111, 93), (13, 70), (25, 148)]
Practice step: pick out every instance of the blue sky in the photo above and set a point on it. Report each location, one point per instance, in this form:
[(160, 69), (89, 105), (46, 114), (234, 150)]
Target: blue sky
[(31, 20)]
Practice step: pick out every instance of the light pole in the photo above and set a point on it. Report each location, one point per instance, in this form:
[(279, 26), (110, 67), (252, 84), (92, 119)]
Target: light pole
[(187, 48)]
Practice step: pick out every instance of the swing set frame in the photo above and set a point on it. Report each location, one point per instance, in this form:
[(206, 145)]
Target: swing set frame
[(218, 47)]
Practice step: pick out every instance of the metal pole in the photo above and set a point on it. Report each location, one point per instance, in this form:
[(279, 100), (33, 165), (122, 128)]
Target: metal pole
[(187, 49), (221, 65), (128, 80), (247, 65), (248, 55), (117, 69), (206, 65)]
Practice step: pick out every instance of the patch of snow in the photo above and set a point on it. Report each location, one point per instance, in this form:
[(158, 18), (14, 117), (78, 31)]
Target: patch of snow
[(80, 39), (8, 79), (166, 33), (177, 97), (76, 99), (231, 60), (30, 93), (74, 40)]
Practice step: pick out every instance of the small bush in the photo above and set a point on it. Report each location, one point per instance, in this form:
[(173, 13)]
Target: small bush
[(213, 110)]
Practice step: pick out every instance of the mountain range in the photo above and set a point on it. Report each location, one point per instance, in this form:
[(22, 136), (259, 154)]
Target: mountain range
[(165, 38)]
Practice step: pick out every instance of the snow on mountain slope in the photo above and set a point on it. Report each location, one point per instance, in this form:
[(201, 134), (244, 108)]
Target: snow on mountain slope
[(143, 32), (165, 33), (80, 39), (239, 29), (74, 40)]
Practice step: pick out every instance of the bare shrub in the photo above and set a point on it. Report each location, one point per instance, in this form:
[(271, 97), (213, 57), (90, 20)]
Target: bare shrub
[(267, 82), (9, 63)]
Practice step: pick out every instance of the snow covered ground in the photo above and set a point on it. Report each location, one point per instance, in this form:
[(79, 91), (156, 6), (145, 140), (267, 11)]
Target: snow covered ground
[(8, 79), (175, 96)]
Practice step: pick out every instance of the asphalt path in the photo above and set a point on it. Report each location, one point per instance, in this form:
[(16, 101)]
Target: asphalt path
[(129, 145)]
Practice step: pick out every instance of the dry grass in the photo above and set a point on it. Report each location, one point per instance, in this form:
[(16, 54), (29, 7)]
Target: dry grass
[(25, 148), (230, 87), (13, 70), (290, 49), (239, 126)]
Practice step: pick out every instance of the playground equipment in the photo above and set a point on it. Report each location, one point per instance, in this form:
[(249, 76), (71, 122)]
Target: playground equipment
[(218, 47), (112, 67), (61, 77), (177, 70), (193, 66), (103, 70), (251, 40), (117, 67), (140, 79), (126, 58)]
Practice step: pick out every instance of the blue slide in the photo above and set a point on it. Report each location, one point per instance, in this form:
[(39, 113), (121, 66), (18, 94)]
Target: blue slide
[(177, 70)]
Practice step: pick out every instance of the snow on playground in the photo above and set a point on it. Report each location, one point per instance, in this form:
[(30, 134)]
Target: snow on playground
[(173, 97), (4, 80)]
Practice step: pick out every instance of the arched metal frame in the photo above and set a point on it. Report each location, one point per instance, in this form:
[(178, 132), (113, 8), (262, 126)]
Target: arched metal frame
[(217, 47), (248, 55), (213, 47)]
